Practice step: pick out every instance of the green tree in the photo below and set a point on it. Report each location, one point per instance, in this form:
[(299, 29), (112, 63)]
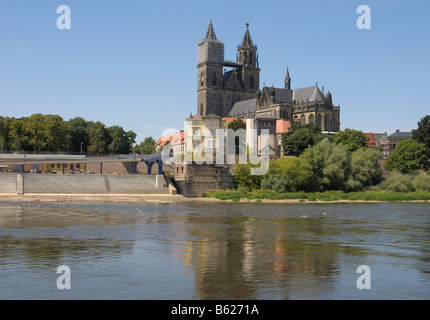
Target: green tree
[(122, 141), (365, 169), (237, 124), (290, 174), (79, 134), (17, 134), (300, 137), (57, 133), (147, 146), (5, 128), (353, 139), (99, 138), (422, 133), (35, 132), (243, 179), (408, 156), (330, 163)]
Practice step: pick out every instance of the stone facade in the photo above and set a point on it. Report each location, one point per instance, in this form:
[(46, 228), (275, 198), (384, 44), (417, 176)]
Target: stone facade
[(236, 93), (193, 179), (219, 89)]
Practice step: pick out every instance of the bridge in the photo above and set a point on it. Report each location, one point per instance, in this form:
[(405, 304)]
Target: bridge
[(27, 159)]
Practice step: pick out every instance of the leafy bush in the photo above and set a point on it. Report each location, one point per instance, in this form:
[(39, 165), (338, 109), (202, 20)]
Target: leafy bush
[(398, 182), (422, 182)]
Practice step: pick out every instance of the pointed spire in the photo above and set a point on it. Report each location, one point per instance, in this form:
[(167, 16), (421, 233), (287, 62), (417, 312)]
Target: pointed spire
[(287, 80), (247, 40), (210, 35)]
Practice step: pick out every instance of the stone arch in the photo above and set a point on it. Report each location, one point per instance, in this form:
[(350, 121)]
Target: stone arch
[(303, 119), (319, 120)]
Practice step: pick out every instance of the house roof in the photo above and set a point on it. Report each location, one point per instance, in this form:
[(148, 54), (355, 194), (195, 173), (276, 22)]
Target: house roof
[(282, 126), (312, 93), (229, 120), (174, 139), (396, 135), (372, 137), (242, 108)]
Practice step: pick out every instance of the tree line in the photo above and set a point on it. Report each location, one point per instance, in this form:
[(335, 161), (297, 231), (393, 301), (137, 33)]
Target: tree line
[(51, 133), (345, 162)]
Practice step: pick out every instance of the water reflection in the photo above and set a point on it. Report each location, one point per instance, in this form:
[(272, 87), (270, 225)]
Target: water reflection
[(222, 251)]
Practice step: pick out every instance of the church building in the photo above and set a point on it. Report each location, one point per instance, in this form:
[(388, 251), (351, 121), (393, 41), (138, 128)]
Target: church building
[(236, 92)]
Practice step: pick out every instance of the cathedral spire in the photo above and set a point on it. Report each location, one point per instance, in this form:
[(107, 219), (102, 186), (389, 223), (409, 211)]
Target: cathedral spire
[(287, 80), (210, 35), (247, 40)]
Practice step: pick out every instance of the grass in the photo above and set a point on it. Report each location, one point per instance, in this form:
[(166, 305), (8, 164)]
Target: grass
[(258, 195)]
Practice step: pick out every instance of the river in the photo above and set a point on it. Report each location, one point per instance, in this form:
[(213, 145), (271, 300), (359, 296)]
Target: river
[(215, 250)]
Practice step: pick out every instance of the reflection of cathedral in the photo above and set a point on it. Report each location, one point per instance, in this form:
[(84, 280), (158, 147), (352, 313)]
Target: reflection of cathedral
[(236, 93)]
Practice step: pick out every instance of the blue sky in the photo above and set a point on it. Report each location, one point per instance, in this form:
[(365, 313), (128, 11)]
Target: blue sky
[(134, 63)]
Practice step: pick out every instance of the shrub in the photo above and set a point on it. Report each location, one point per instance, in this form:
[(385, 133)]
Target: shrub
[(398, 182), (422, 182)]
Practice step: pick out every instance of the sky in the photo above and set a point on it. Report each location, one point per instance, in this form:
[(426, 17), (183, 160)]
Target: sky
[(133, 63)]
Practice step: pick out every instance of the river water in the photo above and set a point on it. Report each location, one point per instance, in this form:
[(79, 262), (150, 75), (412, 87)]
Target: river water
[(215, 250)]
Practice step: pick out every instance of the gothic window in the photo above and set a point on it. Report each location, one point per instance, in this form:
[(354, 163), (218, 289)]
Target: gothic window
[(251, 82), (302, 119), (202, 78), (201, 108), (319, 120), (326, 123), (311, 118), (214, 79)]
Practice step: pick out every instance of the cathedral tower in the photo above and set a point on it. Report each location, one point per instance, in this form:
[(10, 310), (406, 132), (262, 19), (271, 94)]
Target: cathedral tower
[(210, 59), (248, 59)]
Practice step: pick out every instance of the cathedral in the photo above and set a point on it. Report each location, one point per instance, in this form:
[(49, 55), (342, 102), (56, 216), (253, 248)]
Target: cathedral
[(236, 92)]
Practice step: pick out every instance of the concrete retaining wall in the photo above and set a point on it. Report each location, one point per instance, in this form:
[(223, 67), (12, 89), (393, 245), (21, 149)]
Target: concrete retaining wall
[(8, 183), (82, 184)]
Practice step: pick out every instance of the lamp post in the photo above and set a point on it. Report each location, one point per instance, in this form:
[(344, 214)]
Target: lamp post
[(81, 148)]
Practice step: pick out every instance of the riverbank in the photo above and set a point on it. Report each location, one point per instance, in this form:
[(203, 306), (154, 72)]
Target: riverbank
[(176, 198)]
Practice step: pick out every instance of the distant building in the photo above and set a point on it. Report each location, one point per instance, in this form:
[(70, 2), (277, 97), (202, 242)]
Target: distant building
[(372, 138), (236, 92), (388, 142)]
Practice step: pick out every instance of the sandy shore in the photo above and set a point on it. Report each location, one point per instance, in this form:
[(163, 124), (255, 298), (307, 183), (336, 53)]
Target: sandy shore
[(150, 198)]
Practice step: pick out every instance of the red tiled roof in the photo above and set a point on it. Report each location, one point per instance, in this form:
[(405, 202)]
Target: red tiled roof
[(229, 120), (282, 126), (372, 137), (174, 139)]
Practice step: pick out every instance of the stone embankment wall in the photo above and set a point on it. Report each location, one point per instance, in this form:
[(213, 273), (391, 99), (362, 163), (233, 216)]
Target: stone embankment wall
[(83, 184), (192, 180)]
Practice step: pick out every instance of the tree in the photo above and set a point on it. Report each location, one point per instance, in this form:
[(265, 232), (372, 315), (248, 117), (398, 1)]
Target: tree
[(99, 138), (408, 156), (121, 141), (422, 133), (237, 124), (300, 137), (243, 179), (19, 140), (290, 174), (79, 134), (147, 146), (365, 169), (57, 133), (330, 163), (353, 139), (5, 127), (35, 131)]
